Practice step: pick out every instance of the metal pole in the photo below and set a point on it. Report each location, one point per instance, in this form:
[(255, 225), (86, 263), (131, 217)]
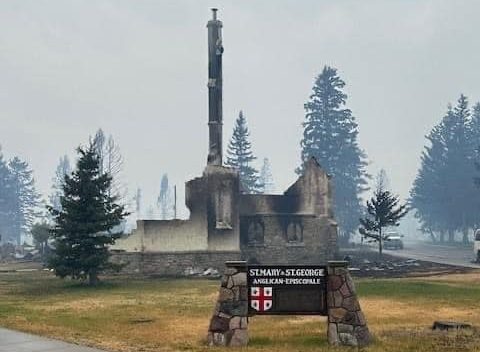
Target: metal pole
[(175, 202)]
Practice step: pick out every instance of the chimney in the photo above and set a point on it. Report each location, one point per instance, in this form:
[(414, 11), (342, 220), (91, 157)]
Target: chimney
[(215, 52)]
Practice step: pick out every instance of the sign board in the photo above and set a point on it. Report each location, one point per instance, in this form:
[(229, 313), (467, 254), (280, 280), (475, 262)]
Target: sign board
[(286, 289)]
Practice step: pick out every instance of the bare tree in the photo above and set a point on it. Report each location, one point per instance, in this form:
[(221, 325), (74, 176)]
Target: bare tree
[(111, 162)]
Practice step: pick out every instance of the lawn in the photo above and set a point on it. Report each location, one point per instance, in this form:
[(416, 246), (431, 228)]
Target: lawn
[(126, 314)]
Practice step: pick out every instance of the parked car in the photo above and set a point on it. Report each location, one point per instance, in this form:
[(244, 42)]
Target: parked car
[(393, 242)]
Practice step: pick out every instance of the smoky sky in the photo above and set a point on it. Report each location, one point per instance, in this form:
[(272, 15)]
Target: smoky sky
[(138, 70)]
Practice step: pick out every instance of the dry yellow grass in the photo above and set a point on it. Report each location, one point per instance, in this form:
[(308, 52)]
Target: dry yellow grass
[(172, 315)]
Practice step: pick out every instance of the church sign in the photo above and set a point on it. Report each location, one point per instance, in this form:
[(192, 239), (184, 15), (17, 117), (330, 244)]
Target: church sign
[(284, 289), (254, 290)]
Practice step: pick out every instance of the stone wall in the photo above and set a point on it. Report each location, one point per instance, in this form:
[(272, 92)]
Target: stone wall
[(288, 239), (174, 263), (253, 204)]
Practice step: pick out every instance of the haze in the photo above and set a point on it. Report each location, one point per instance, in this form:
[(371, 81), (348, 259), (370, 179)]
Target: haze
[(138, 70)]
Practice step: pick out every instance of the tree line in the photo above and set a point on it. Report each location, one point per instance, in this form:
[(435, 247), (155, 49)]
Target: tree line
[(445, 193), (19, 199)]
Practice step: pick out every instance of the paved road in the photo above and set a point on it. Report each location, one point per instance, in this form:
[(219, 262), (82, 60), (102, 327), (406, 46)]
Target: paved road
[(437, 253), (14, 341)]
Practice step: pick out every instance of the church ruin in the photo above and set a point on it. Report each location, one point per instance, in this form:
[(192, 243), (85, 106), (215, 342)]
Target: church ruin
[(296, 227)]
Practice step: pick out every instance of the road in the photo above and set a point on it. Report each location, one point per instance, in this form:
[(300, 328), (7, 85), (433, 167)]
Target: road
[(442, 254), (14, 341)]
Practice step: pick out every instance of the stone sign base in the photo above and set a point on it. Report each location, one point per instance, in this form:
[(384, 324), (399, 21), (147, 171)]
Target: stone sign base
[(346, 322), (228, 326)]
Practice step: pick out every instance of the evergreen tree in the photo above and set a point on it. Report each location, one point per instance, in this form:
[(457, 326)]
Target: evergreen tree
[(459, 152), (240, 156), (330, 135), (63, 169), (41, 234), (427, 195), (384, 210), (164, 200), (382, 181), (443, 194), (26, 198), (83, 227), (266, 178), (7, 197), (138, 203), (475, 127)]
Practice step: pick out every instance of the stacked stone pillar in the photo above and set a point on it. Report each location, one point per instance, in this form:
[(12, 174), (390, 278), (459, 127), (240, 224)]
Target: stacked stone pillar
[(228, 326), (346, 322)]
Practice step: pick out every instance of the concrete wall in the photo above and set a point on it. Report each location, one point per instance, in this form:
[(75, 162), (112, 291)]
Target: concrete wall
[(164, 236), (313, 191), (214, 219), (223, 190)]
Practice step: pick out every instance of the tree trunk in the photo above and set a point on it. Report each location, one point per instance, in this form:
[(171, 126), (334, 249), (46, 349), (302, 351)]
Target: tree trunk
[(465, 236), (451, 236), (343, 239), (380, 243), (92, 278), (442, 236)]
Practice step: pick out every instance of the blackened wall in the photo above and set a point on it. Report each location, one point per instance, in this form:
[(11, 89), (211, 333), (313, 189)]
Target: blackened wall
[(301, 239)]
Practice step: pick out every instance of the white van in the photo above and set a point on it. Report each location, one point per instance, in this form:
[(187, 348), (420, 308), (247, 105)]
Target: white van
[(476, 245)]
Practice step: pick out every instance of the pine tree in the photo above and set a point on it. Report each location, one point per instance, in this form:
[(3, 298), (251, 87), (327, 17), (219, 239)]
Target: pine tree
[(41, 234), (382, 181), (138, 203), (240, 156), (26, 198), (7, 197), (384, 210), (444, 194), (459, 187), (63, 168), (427, 195), (83, 227), (330, 135), (164, 200), (266, 178)]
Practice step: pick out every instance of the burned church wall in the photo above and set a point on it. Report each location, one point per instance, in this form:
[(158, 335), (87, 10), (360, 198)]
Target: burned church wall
[(296, 227), (222, 208), (290, 239)]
